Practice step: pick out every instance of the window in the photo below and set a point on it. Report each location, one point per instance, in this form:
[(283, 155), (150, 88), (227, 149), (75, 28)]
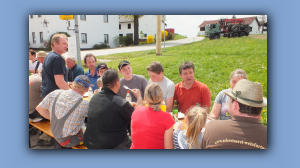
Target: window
[(213, 26), (105, 18), (41, 37), (39, 15), (202, 28), (119, 26), (129, 25), (120, 35), (33, 37), (130, 35), (145, 35), (83, 38), (82, 17), (31, 16), (106, 39)]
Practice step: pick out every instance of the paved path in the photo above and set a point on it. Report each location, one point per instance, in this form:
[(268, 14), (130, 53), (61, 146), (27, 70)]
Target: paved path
[(138, 48)]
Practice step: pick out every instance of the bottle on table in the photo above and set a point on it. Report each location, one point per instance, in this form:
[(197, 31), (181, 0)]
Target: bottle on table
[(128, 96), (90, 93), (175, 110), (163, 106)]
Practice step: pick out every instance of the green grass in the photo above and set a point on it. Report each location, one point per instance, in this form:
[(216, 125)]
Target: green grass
[(214, 60), (177, 36)]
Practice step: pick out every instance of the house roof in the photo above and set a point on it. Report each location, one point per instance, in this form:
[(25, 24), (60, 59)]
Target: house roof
[(248, 20)]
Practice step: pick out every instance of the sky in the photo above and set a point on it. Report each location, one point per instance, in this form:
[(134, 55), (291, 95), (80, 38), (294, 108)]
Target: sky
[(188, 24)]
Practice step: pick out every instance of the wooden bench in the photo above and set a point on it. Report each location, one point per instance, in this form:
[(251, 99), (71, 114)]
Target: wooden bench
[(46, 128)]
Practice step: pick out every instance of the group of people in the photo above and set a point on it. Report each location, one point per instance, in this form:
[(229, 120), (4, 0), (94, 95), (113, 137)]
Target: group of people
[(108, 121)]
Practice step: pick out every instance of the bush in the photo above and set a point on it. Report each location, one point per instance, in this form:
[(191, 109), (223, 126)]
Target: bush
[(162, 35), (49, 47), (101, 45), (150, 39), (170, 36), (127, 40)]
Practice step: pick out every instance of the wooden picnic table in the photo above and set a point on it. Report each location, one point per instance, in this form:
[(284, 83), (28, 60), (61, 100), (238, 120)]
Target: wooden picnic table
[(45, 126)]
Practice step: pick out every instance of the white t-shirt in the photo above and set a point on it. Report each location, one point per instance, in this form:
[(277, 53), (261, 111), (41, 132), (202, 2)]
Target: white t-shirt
[(32, 65), (167, 86)]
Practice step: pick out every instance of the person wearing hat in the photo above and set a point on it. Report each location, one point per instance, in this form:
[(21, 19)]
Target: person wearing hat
[(130, 80), (73, 69), (39, 62), (102, 67), (68, 112), (243, 130)]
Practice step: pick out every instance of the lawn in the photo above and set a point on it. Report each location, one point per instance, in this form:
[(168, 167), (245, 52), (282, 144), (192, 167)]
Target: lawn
[(214, 60)]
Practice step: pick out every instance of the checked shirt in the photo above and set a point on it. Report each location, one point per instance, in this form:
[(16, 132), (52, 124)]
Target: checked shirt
[(64, 103)]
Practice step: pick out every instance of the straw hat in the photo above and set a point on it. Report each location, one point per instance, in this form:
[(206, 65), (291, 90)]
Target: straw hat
[(248, 93), (41, 54)]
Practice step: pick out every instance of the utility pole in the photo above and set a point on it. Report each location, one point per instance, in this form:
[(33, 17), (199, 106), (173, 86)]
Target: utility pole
[(77, 40), (158, 34)]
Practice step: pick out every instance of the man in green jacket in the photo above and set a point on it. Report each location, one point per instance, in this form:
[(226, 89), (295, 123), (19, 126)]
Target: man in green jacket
[(73, 69)]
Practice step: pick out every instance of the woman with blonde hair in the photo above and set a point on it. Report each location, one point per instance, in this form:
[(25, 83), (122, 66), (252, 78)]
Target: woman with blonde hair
[(220, 108), (192, 137), (151, 128)]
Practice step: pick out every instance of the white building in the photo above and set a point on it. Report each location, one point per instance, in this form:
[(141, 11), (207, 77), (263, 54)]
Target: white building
[(92, 29), (147, 24)]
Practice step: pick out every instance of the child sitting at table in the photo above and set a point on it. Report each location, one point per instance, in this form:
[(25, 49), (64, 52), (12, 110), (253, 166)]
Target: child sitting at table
[(192, 137)]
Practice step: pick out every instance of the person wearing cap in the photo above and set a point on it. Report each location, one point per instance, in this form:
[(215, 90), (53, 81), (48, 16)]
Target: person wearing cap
[(39, 63), (54, 67), (102, 67), (243, 130), (91, 61), (155, 71), (67, 111), (189, 92), (73, 69), (109, 116), (130, 80)]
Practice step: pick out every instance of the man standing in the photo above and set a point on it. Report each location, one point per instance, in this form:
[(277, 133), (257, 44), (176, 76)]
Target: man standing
[(73, 69), (243, 130), (32, 60), (54, 72), (66, 110), (130, 80), (189, 92), (90, 61), (109, 116), (155, 71)]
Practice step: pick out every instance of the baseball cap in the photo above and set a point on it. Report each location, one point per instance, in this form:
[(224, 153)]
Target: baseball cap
[(122, 63), (83, 81), (101, 66)]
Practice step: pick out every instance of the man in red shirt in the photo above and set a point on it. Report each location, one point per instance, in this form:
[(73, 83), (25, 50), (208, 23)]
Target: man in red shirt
[(189, 92)]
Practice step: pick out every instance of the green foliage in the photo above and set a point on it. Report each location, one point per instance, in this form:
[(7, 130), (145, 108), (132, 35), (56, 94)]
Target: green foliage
[(214, 60), (49, 47), (101, 45), (170, 36), (127, 40)]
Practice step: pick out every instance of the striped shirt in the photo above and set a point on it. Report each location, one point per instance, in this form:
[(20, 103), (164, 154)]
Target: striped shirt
[(65, 102)]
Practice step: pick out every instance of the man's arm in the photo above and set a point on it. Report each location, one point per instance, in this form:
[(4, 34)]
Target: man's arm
[(60, 82), (169, 104), (44, 112)]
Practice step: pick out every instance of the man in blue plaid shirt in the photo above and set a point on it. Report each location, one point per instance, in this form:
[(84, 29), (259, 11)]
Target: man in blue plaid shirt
[(67, 111)]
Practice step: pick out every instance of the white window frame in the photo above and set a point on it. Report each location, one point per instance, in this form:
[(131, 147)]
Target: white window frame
[(106, 37), (82, 17), (41, 37), (33, 38), (105, 18), (83, 37)]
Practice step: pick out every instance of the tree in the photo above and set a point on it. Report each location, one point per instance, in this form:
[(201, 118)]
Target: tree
[(135, 19), (264, 20)]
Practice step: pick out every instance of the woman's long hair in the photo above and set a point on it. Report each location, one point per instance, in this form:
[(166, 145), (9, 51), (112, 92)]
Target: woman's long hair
[(196, 121), (154, 96)]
